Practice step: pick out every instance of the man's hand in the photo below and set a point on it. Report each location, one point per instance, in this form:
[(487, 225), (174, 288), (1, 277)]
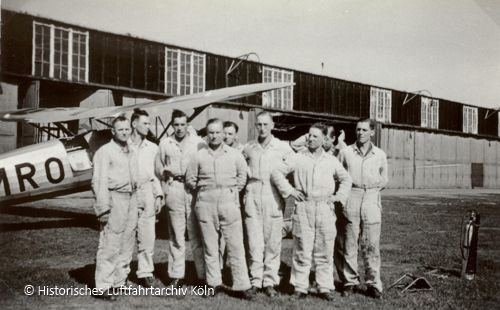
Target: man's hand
[(341, 136), (298, 195), (167, 173), (333, 199), (103, 219), (158, 204)]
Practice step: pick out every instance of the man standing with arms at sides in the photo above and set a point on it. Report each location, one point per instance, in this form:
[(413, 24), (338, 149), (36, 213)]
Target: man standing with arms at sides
[(171, 164), (216, 175), (264, 206), (314, 173), (231, 135), (301, 142), (149, 195), (114, 185), (367, 165)]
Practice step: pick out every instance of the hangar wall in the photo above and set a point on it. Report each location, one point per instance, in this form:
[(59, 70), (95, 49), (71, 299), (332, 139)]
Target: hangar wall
[(429, 160)]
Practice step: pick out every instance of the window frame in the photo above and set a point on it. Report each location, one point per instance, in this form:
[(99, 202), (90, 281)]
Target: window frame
[(65, 49), (498, 114), (278, 98), (384, 95), (429, 107), (180, 88), (466, 122)]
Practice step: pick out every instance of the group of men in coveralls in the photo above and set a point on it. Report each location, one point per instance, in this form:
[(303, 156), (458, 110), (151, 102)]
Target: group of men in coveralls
[(335, 187)]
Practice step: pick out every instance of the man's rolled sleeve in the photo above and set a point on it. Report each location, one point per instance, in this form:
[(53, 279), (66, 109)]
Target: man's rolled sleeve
[(278, 177)]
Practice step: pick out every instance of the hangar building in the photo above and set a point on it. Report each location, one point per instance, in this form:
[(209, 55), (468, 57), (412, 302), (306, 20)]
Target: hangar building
[(430, 142)]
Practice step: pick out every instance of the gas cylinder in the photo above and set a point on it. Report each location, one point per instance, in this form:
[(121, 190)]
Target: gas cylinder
[(468, 243)]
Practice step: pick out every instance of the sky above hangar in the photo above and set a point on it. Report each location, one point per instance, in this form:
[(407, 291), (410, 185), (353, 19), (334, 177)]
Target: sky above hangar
[(449, 47)]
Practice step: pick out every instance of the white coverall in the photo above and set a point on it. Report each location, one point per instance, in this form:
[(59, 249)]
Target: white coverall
[(217, 177), (362, 216), (148, 188), (314, 219), (114, 184), (176, 157), (264, 211)]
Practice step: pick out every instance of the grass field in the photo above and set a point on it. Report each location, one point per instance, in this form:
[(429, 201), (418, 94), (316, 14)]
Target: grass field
[(53, 242)]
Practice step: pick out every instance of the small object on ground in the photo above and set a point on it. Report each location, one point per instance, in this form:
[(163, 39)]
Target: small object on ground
[(411, 283)]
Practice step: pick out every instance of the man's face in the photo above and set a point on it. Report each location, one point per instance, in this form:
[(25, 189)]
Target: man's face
[(142, 125), (329, 139), (215, 134), (180, 127), (264, 125), (121, 130), (316, 139), (229, 135), (363, 132)]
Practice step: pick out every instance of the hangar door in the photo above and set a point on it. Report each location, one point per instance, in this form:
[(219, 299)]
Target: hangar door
[(477, 175)]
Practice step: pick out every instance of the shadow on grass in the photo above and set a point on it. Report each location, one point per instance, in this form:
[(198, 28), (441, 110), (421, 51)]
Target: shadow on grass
[(67, 219), (85, 275), (25, 211)]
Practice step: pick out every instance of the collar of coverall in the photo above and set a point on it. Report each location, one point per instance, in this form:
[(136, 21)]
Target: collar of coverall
[(223, 148), (171, 139), (311, 155), (124, 149), (144, 143), (371, 149), (271, 142)]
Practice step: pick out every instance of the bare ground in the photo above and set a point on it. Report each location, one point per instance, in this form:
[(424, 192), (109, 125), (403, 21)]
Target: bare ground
[(53, 243)]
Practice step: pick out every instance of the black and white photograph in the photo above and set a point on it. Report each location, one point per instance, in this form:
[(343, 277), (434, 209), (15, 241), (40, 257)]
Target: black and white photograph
[(250, 154)]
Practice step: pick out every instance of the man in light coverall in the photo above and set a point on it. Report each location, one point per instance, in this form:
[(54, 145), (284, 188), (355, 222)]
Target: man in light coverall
[(216, 175), (367, 165), (314, 173), (171, 164), (114, 185), (149, 195), (264, 206), (231, 135)]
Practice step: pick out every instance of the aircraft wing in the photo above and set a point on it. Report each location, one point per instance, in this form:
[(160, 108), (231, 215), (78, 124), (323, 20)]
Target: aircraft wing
[(52, 115)]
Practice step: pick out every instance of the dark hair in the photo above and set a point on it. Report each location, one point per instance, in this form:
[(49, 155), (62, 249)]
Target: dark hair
[(177, 114), (119, 118), (370, 122), (330, 125), (230, 124), (214, 120), (138, 113), (322, 127)]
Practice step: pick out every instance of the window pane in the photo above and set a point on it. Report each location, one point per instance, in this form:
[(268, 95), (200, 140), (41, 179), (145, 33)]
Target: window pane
[(280, 98)]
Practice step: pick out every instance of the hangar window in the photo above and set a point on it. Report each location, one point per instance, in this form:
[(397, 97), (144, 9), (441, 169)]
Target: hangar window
[(279, 98), (184, 72), (380, 104), (470, 120), (60, 53), (429, 113)]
